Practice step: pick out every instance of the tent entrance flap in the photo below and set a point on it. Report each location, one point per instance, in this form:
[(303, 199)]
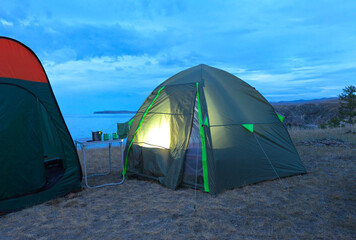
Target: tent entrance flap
[(31, 139), (22, 162), (203, 144)]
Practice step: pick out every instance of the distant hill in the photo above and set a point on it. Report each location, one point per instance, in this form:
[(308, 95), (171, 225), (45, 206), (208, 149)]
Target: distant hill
[(308, 112), (302, 101), (115, 112), (298, 113)]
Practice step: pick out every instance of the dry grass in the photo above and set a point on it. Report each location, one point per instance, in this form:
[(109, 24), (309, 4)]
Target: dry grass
[(318, 205)]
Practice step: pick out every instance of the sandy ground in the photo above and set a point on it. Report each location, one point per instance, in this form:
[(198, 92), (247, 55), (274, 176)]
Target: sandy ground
[(318, 205)]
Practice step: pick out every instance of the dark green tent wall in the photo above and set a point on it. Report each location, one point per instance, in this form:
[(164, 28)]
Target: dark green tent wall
[(38, 160), (206, 127)]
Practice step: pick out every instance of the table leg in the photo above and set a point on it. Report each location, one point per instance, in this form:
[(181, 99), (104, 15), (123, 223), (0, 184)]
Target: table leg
[(122, 154), (109, 158), (85, 168)]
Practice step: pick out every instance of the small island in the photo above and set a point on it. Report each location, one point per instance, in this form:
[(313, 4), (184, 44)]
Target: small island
[(115, 112)]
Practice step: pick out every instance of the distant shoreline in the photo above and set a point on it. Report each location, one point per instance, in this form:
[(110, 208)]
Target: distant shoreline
[(115, 112)]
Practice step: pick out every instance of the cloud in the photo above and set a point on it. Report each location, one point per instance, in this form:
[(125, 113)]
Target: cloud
[(287, 50), (6, 23), (128, 72), (298, 75)]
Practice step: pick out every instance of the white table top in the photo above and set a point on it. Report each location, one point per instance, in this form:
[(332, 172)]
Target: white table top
[(89, 141)]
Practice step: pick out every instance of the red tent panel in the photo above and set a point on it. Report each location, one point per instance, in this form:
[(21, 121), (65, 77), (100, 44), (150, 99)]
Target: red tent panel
[(16, 61)]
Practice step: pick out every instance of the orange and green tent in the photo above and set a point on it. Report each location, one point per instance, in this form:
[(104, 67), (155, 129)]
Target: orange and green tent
[(38, 160)]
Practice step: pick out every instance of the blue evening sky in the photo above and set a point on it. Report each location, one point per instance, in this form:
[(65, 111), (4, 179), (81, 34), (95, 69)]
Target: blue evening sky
[(109, 55)]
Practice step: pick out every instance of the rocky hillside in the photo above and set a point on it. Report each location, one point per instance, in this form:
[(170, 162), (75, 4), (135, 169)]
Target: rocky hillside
[(308, 113)]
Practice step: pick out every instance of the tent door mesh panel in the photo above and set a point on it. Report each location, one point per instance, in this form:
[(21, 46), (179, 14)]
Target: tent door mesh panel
[(193, 158)]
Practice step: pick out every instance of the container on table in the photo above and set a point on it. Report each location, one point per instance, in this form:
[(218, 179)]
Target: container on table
[(115, 136), (96, 136), (106, 136)]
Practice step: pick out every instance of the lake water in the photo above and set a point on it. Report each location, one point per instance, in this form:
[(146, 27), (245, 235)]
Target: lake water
[(81, 126)]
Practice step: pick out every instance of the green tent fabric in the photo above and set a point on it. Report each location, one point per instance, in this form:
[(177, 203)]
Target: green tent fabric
[(207, 128), (123, 129), (38, 159), (280, 117), (248, 127)]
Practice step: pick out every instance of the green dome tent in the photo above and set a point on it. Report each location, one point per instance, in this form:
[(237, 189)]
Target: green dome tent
[(38, 160), (207, 128)]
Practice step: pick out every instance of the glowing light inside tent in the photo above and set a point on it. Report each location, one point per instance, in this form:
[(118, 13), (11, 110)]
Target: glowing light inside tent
[(159, 136)]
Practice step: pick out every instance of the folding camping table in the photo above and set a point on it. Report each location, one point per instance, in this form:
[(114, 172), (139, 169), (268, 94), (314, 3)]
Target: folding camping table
[(86, 142)]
